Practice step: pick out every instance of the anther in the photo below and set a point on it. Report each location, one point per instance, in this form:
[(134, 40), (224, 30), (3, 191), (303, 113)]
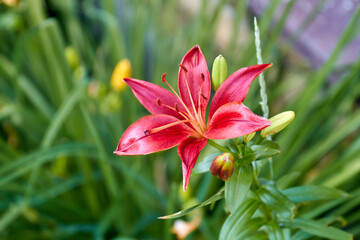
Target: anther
[(203, 96), (158, 102), (176, 107), (202, 76), (163, 77), (146, 132), (183, 68)]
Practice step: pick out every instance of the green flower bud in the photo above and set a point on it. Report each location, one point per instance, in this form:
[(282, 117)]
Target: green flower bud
[(278, 123), (72, 57), (223, 166), (247, 138), (219, 72)]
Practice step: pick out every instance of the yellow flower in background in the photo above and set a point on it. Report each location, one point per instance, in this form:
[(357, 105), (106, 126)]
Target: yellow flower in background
[(122, 70), (10, 3)]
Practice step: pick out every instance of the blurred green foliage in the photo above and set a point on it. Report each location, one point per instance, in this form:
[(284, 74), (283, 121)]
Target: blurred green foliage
[(60, 121)]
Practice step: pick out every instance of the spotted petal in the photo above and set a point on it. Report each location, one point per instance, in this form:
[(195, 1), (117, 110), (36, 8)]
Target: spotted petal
[(136, 140), (154, 98), (236, 86), (234, 120), (194, 78), (189, 151)]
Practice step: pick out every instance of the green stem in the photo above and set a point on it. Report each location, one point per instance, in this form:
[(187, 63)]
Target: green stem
[(263, 95), (214, 144), (259, 141)]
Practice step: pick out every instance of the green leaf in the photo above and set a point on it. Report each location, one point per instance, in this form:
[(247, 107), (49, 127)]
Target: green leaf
[(237, 187), (250, 228), (219, 195), (317, 228), (274, 231), (63, 113), (258, 236), (286, 180), (205, 164), (301, 235), (313, 193), (286, 232), (232, 144), (35, 96), (277, 201), (30, 161), (270, 144), (247, 159), (264, 151), (236, 222)]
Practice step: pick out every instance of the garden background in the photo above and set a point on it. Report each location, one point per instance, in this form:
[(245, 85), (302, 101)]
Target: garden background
[(60, 119)]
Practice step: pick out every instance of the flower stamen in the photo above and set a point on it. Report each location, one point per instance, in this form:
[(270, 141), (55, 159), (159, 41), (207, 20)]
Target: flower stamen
[(202, 123), (203, 96), (163, 79), (202, 77), (183, 68), (158, 129), (191, 98), (176, 109)]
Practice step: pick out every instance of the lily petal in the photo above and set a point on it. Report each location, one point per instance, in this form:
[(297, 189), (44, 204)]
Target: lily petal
[(189, 150), (234, 120), (137, 141), (194, 76), (154, 98), (236, 86)]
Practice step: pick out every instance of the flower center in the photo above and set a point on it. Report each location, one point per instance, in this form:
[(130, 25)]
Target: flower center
[(194, 118)]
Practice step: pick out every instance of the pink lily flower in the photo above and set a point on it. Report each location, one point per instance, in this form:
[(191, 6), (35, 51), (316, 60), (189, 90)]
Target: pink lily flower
[(180, 119)]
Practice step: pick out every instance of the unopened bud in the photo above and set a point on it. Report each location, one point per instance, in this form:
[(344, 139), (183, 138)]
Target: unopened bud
[(219, 72), (247, 138), (72, 57), (122, 70), (223, 166), (278, 123)]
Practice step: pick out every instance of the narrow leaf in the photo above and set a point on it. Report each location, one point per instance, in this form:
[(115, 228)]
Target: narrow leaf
[(263, 151), (277, 201), (286, 180), (235, 223), (250, 228), (274, 231), (318, 229), (313, 193), (238, 186), (247, 159), (219, 195), (258, 236)]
